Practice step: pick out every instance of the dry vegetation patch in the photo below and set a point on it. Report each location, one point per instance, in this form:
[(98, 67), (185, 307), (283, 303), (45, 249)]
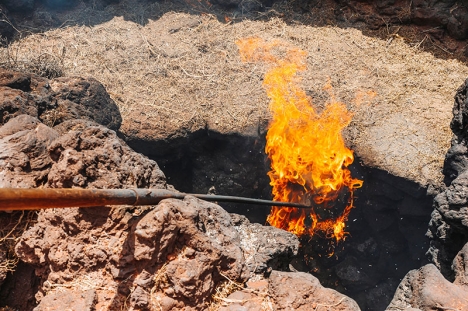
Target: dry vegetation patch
[(12, 226), (180, 73)]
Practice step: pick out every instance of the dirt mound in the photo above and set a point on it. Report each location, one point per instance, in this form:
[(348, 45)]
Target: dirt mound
[(182, 73)]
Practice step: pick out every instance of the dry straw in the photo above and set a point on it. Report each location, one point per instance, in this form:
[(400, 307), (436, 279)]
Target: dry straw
[(174, 73)]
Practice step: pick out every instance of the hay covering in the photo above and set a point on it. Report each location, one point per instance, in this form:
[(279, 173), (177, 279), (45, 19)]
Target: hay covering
[(178, 73)]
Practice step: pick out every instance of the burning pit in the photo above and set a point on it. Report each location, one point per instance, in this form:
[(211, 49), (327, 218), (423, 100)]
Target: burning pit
[(365, 229), (385, 230)]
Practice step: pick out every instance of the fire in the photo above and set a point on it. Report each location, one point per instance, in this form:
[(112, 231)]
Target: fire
[(308, 155)]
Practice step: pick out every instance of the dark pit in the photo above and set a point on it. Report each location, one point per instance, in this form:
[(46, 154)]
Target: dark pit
[(386, 228)]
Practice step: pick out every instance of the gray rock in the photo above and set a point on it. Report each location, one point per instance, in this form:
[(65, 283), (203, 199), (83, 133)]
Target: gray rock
[(265, 248), (427, 289), (448, 228)]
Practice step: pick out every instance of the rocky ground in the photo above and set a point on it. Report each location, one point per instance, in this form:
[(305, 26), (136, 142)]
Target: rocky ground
[(182, 254), (175, 89)]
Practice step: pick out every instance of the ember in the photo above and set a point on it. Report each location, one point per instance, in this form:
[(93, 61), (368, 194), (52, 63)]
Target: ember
[(308, 156)]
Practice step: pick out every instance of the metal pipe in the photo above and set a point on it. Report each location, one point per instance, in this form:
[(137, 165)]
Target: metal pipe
[(34, 199)]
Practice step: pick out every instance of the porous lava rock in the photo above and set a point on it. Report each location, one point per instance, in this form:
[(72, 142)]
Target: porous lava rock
[(86, 154), (427, 289), (55, 101), (171, 257), (92, 156), (451, 14), (78, 153), (448, 228), (245, 6), (456, 160), (444, 15), (86, 98), (302, 291), (24, 157), (257, 245), (69, 299)]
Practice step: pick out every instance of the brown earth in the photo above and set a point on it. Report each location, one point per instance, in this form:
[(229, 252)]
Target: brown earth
[(177, 73)]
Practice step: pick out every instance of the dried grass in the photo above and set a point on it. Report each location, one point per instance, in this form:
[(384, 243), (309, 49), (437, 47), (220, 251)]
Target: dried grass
[(45, 64), (222, 291), (180, 73), (12, 226), (84, 283), (53, 116)]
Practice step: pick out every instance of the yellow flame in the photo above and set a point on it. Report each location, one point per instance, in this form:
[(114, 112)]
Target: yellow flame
[(308, 155)]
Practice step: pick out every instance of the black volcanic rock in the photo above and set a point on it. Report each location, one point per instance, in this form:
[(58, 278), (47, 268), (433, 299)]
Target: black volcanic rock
[(86, 98), (456, 160), (433, 13), (448, 228), (245, 5), (458, 23)]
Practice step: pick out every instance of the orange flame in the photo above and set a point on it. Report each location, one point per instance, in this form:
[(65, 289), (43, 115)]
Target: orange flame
[(308, 155)]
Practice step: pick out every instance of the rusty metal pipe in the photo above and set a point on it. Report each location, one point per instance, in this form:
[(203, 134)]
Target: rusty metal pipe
[(34, 199)]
